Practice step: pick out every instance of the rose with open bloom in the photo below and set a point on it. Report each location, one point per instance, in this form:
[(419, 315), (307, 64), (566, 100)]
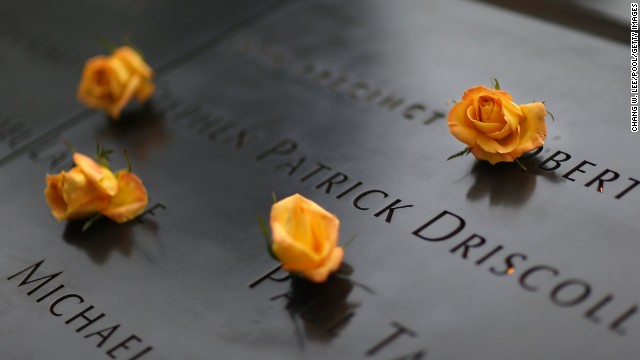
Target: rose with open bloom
[(494, 128), (90, 188), (305, 238), (109, 82)]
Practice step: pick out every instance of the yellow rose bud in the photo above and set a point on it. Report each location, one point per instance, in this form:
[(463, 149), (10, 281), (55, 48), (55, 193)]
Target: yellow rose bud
[(131, 199), (494, 127), (109, 83), (305, 238), (83, 191)]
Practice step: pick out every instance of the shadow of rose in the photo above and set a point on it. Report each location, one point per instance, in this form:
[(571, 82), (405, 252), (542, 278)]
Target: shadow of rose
[(323, 308), (105, 237), (506, 184), (143, 130)]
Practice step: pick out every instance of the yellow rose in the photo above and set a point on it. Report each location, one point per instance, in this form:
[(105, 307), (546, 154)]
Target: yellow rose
[(129, 201), (109, 82), (305, 238), (83, 191), (90, 188), (494, 127)]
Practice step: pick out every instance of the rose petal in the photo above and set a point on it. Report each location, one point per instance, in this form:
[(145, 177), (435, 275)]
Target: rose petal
[(82, 196), (490, 128), (489, 110), (90, 90), (533, 129), (505, 145), (131, 199), (133, 61), (102, 177), (512, 113), (460, 126), (118, 77), (294, 255), (502, 133), (294, 218), (332, 264), (325, 228), (473, 93), (125, 96), (145, 90), (492, 158), (53, 195)]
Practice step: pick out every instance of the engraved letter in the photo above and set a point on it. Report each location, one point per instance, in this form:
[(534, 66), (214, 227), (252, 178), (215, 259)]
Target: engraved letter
[(284, 147), (535, 269), (557, 162), (33, 268), (390, 209), (461, 224)]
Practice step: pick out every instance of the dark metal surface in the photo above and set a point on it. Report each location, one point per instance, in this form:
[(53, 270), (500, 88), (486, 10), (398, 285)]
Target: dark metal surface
[(301, 96), (584, 15), (44, 45)]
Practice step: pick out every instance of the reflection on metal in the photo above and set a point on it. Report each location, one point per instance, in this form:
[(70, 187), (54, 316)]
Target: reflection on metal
[(322, 308), (570, 14)]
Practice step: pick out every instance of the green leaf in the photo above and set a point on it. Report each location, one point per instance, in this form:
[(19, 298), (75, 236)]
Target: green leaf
[(553, 118), (548, 112), (126, 156), (264, 229), (275, 198), (106, 43), (90, 222), (495, 83), (521, 165), (103, 155), (464, 152)]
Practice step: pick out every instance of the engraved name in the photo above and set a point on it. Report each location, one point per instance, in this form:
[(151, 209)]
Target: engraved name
[(563, 292), (75, 311), (40, 46), (361, 90), (535, 277)]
